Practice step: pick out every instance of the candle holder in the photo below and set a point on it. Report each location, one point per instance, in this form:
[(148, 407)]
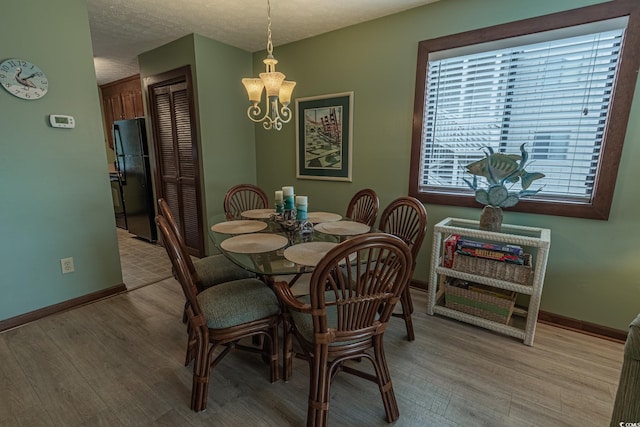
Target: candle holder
[(288, 222)]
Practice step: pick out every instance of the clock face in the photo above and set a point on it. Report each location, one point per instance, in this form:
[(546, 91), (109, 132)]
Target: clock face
[(23, 79)]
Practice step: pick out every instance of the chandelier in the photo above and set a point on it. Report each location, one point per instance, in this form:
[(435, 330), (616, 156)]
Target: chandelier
[(278, 90)]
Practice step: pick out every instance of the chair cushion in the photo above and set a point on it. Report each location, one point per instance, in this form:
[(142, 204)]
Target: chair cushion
[(237, 302), (304, 321), (216, 269)]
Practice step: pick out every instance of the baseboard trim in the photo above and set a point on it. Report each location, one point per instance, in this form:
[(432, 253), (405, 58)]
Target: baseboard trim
[(559, 321), (23, 319), (588, 328)]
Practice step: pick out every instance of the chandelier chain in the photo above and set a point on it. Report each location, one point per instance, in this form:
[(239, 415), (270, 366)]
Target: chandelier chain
[(269, 43)]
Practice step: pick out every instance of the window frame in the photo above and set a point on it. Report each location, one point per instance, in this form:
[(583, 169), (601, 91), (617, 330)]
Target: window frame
[(599, 206)]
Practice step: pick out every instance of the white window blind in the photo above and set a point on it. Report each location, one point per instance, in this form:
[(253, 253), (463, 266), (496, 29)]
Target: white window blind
[(552, 95)]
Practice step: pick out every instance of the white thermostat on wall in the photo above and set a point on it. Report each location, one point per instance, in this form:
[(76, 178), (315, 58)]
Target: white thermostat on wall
[(62, 121)]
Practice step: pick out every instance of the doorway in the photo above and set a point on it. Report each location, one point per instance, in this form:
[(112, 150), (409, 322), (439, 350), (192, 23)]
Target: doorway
[(177, 174), (143, 263)]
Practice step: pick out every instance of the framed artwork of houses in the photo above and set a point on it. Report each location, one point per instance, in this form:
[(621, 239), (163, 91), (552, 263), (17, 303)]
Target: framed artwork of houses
[(324, 137)]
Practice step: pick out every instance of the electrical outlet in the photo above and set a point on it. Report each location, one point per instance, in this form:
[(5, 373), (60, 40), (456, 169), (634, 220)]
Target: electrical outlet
[(67, 265)]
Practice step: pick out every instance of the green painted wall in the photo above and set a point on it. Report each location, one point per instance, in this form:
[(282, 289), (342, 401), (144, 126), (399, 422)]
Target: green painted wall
[(56, 197), (227, 136), (593, 272), (227, 148)]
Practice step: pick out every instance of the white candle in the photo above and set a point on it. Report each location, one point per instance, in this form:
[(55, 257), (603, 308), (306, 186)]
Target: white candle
[(301, 208), (287, 191), (278, 195)]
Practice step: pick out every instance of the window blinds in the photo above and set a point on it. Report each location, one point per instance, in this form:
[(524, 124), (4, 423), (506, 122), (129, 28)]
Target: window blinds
[(553, 96)]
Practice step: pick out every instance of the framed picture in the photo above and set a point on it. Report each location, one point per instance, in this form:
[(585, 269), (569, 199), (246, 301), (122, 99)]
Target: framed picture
[(324, 136)]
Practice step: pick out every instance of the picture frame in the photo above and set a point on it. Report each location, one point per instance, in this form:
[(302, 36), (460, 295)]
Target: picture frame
[(324, 137)]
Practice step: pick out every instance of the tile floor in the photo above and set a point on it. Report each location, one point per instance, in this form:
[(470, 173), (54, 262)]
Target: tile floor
[(143, 263)]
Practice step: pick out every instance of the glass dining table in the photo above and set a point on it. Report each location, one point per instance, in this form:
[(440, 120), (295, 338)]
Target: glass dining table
[(261, 245)]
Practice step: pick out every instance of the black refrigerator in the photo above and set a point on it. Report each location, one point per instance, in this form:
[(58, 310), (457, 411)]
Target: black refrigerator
[(132, 163)]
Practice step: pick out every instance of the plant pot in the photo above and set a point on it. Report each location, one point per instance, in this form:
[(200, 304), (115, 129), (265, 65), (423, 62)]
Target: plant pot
[(491, 218)]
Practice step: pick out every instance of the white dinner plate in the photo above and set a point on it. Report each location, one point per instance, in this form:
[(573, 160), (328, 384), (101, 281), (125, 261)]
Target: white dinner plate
[(258, 213), (309, 253), (318, 217), (239, 226), (254, 243), (342, 228)]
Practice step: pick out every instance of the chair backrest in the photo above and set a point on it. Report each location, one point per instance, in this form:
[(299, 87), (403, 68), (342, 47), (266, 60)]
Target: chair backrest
[(165, 211), (364, 295), (243, 197), (406, 217), (363, 207), (180, 261)]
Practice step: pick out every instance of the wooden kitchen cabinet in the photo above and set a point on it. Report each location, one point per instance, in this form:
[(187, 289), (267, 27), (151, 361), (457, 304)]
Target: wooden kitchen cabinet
[(121, 100)]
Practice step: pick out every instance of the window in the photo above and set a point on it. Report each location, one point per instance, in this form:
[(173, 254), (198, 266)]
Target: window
[(563, 90)]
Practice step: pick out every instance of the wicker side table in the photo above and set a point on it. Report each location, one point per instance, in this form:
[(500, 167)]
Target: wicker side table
[(535, 240)]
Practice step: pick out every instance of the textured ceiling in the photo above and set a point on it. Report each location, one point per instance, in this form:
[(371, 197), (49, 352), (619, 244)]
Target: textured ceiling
[(122, 29)]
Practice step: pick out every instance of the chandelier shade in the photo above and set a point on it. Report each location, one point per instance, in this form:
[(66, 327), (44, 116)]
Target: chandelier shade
[(254, 88)]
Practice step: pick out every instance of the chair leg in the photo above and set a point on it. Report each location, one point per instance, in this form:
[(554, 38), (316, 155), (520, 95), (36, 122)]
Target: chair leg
[(275, 353), (317, 413), (185, 317), (287, 348), (192, 338), (384, 381), (191, 347), (407, 290), (201, 370), (407, 309)]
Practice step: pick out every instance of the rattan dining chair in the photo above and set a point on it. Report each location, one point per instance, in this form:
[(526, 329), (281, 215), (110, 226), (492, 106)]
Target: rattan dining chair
[(363, 207), (210, 270), (345, 316), (406, 218), (221, 316), (243, 197)]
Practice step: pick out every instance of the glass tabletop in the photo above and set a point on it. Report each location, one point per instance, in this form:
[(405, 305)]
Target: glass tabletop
[(270, 262)]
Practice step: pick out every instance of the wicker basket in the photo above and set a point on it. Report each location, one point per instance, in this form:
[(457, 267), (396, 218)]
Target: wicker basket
[(480, 303), (521, 274)]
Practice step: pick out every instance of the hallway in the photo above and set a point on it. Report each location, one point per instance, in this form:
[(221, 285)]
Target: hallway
[(143, 263)]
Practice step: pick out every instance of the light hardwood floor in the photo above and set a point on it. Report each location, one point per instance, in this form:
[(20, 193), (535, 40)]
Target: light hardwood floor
[(118, 362)]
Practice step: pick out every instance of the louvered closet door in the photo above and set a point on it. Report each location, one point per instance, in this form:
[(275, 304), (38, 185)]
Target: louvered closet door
[(178, 162)]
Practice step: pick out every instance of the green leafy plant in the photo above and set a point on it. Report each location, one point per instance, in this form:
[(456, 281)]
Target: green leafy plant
[(502, 170)]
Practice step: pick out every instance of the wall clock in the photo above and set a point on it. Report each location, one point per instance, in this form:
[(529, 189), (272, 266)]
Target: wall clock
[(23, 79)]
